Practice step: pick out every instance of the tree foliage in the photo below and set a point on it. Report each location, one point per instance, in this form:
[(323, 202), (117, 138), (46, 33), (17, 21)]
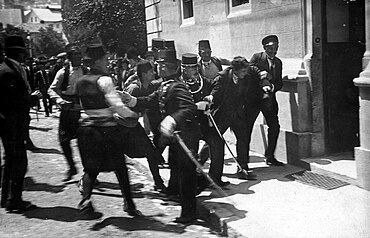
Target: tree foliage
[(48, 42), (118, 24)]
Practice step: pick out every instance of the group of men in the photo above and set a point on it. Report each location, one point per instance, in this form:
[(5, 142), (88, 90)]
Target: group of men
[(185, 100)]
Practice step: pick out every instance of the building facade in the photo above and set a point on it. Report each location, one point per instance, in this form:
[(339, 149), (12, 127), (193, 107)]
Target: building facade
[(323, 49)]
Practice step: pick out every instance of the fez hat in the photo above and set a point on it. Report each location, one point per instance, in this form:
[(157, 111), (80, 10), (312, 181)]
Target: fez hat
[(157, 43), (15, 42), (204, 45), (94, 51), (270, 40), (189, 59), (167, 55), (143, 66)]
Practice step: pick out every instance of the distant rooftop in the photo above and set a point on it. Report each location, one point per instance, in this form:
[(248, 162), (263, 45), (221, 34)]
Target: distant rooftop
[(47, 15)]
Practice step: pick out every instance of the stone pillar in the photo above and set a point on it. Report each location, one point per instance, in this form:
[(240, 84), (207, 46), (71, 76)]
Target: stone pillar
[(362, 153)]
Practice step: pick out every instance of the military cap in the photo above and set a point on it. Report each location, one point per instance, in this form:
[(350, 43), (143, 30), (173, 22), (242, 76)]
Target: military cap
[(270, 40), (143, 66), (204, 45), (167, 55), (14, 42), (189, 59), (94, 51)]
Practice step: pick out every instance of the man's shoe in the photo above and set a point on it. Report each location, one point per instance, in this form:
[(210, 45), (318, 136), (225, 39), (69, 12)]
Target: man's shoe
[(88, 213), (132, 211), (185, 220), (222, 183), (273, 161), (70, 173), (19, 206), (244, 174)]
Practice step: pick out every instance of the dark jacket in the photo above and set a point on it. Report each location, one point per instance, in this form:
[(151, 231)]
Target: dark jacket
[(260, 60), (177, 102)]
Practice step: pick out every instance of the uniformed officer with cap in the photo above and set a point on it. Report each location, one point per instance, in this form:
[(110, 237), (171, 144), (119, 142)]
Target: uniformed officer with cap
[(178, 112), (270, 65)]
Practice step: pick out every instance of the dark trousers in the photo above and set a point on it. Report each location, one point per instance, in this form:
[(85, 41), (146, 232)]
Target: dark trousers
[(269, 108), (217, 146), (68, 125), (139, 145), (47, 103), (102, 149), (182, 166), (12, 132)]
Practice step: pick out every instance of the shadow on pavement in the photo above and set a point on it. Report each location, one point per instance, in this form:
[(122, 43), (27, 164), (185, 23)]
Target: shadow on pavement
[(31, 185), (139, 224), (65, 214)]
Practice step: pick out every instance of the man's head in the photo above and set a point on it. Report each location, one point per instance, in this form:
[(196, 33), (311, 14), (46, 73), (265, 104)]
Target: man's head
[(240, 66), (167, 63), (271, 45), (145, 71), (150, 56), (204, 50), (74, 54), (189, 68), (15, 48), (96, 57), (133, 56)]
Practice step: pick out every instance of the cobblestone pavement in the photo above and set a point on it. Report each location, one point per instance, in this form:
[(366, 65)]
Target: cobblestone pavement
[(56, 215)]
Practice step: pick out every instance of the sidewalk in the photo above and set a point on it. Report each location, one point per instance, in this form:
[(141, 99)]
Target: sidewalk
[(276, 206)]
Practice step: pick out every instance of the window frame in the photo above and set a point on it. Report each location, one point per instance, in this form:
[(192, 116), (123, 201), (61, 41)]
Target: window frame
[(242, 9), (189, 20)]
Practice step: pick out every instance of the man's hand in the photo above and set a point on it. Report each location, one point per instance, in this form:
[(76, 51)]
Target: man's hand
[(208, 98), (265, 75), (127, 98), (37, 93), (204, 106), (168, 126)]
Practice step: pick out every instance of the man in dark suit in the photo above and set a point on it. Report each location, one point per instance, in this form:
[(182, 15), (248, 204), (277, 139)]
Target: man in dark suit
[(15, 102), (270, 65), (227, 96), (178, 113)]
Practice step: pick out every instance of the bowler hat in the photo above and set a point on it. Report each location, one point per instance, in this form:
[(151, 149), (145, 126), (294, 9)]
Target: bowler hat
[(94, 51), (167, 55), (270, 40), (189, 59), (204, 45), (15, 42), (143, 66)]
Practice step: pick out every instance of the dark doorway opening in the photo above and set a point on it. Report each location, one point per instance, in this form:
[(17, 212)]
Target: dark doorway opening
[(344, 48)]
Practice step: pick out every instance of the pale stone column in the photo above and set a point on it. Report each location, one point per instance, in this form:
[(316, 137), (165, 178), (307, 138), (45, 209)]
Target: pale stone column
[(362, 153)]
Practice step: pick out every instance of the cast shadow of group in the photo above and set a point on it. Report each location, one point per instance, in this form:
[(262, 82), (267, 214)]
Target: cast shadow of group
[(126, 223)]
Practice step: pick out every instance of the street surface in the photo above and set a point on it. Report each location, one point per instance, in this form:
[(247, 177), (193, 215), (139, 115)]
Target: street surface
[(57, 201)]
